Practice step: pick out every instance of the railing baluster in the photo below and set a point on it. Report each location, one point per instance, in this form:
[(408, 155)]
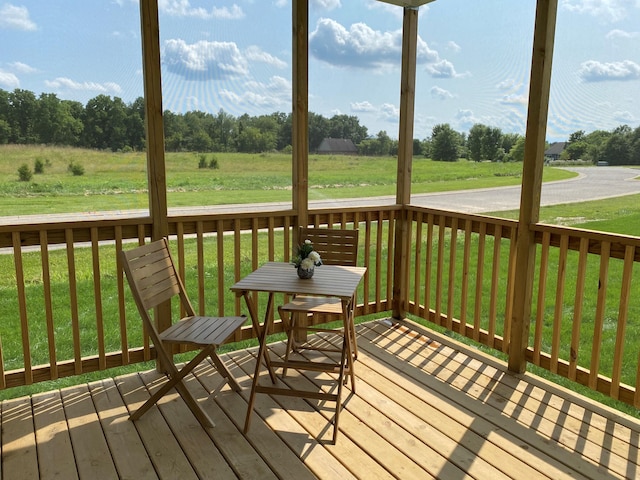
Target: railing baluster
[(623, 310), (542, 292), (577, 307), (559, 303), (453, 247), (511, 273), (495, 280), (200, 257), (428, 262), (124, 338), (378, 264), (48, 308), (73, 297), (440, 269), (97, 298), (464, 288), (220, 287), (599, 318), (477, 313), (417, 261), (22, 305)]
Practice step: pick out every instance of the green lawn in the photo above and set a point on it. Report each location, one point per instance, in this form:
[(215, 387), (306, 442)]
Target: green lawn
[(117, 181)]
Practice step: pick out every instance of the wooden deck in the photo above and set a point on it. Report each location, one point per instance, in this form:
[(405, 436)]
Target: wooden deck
[(425, 407)]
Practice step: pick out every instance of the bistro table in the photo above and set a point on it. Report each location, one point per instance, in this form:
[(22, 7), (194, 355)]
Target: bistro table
[(327, 281)]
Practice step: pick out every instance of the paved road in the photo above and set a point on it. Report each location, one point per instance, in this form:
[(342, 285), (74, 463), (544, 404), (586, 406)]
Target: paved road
[(592, 183)]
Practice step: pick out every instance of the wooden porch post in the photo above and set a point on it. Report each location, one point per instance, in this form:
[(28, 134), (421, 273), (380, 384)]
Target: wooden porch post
[(405, 156), (156, 175), (300, 113), (532, 180)]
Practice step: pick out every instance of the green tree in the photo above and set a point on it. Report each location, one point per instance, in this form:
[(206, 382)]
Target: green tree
[(105, 123), (475, 141), (616, 150), (517, 151), (491, 141), (444, 143), (318, 130), (22, 112), (346, 126)]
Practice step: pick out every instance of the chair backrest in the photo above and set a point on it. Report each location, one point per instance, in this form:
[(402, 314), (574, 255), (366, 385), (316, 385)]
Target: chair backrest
[(335, 246), (153, 277)]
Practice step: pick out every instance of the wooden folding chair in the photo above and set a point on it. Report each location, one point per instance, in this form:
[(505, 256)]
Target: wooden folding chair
[(153, 279), (336, 247)]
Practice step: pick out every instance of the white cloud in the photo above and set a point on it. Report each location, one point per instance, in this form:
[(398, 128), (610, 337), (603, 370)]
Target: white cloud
[(17, 18), (624, 117), (453, 46), (9, 80), (361, 46), (390, 112), (514, 99), (325, 4), (594, 71), (273, 95), (204, 60), (183, 8), (443, 69), (508, 84), (22, 67), (63, 83), (441, 93), (362, 107), (613, 34), (610, 10), (281, 3), (256, 54)]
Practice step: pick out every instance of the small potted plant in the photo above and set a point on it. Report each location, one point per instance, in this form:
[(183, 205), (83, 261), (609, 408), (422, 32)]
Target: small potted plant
[(306, 259)]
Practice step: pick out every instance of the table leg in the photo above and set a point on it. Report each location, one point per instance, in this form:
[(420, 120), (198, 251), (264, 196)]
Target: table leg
[(349, 340), (253, 313), (262, 353)]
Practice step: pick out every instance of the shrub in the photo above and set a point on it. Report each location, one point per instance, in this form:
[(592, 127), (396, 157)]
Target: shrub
[(24, 173), (213, 163), (38, 166), (202, 162), (76, 169)]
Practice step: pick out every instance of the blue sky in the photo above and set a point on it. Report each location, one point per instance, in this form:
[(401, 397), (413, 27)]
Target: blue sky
[(473, 59)]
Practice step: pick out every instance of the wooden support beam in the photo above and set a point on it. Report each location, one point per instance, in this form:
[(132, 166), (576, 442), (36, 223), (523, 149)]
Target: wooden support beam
[(156, 171), (540, 83), (300, 114), (405, 158)]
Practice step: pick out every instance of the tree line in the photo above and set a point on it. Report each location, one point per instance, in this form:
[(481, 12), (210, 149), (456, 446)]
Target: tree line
[(110, 123)]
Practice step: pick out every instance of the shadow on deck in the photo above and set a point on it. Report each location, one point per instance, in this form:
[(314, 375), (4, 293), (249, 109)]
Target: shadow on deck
[(425, 407)]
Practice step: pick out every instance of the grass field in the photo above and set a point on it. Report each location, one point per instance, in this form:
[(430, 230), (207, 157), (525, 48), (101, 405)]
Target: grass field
[(117, 181), (113, 181)]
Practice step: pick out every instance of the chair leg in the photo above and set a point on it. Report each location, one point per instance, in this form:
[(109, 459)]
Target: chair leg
[(175, 380), (224, 371), (290, 341)]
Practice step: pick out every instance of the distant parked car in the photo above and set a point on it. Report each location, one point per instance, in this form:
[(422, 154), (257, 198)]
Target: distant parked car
[(603, 164)]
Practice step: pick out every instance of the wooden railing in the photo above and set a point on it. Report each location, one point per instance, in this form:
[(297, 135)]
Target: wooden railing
[(71, 310), (586, 298), (68, 319)]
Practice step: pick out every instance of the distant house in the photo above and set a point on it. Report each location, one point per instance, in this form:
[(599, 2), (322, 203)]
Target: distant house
[(340, 146), (555, 149)]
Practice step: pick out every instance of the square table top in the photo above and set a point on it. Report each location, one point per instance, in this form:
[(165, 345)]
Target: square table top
[(328, 280)]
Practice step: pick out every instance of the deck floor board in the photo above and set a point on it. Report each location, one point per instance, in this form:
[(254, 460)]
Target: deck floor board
[(424, 407)]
